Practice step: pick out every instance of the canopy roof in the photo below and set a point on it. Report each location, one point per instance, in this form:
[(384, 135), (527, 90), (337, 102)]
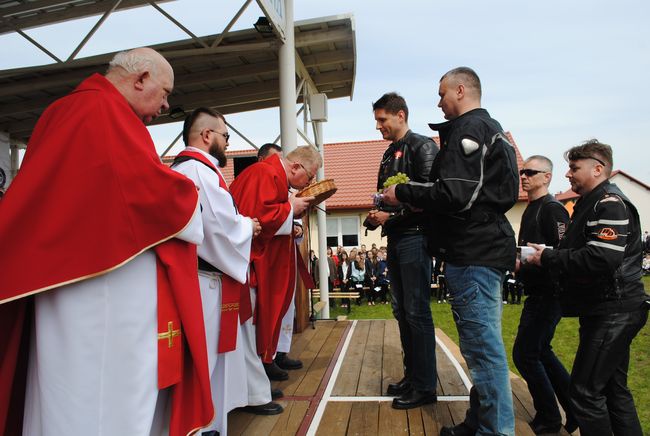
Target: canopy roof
[(233, 73), (18, 15)]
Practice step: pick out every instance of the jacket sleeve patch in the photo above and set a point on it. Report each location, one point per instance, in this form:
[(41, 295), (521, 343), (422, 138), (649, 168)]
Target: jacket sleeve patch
[(607, 234), (611, 198), (469, 146)]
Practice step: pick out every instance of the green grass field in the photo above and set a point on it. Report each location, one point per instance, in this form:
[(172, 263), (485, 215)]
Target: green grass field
[(565, 343)]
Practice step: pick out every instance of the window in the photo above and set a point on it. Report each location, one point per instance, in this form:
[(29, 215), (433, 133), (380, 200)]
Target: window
[(343, 231)]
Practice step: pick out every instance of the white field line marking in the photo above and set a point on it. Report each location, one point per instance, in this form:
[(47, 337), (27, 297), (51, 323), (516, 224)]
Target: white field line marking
[(330, 385), (459, 369), (370, 399)]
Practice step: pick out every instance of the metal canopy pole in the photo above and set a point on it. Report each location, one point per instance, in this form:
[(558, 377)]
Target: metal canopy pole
[(93, 30), (323, 267), (164, 153), (287, 61)]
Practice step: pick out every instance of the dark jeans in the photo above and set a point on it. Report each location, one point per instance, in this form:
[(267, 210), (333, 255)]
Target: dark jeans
[(409, 268), (383, 293), (535, 360), (600, 398), (442, 288)]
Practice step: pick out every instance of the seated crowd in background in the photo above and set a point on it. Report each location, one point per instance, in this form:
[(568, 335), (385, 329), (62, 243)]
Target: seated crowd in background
[(359, 271)]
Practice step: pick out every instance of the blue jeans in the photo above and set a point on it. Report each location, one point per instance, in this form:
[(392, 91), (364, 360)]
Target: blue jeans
[(475, 297), (409, 269), (535, 360)]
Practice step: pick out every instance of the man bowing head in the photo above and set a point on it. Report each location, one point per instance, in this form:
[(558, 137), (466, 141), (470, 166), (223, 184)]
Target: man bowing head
[(262, 191), (107, 257)]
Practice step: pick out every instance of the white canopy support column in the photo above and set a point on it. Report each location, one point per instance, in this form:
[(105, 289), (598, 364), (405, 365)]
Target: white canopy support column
[(287, 77), (5, 160), (318, 113), (15, 160)]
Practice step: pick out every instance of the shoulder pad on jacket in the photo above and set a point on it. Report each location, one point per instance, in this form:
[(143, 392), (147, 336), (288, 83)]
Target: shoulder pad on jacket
[(469, 146), (611, 198)]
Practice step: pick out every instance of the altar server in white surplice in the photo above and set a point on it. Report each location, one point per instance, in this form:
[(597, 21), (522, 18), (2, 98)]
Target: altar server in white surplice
[(223, 261)]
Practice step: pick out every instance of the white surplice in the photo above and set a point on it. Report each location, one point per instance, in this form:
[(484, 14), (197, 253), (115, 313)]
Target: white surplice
[(286, 331), (226, 246), (93, 363)]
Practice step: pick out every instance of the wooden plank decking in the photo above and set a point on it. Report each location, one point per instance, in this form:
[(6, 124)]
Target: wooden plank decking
[(347, 368)]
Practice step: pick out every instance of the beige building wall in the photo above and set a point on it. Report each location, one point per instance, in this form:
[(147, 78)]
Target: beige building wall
[(514, 216), (638, 195)]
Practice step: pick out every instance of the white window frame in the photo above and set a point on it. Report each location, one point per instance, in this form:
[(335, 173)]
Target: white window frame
[(339, 234)]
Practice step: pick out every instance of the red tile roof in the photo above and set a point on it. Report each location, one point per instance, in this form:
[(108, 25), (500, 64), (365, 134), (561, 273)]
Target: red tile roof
[(353, 166), (566, 195)]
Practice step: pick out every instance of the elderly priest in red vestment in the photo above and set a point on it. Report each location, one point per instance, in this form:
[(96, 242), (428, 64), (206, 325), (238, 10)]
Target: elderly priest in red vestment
[(101, 312), (262, 191)]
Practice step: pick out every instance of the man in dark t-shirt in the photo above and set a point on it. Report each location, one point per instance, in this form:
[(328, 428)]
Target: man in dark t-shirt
[(543, 222)]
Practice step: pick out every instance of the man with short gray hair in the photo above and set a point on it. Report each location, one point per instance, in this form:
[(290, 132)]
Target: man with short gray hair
[(262, 191), (543, 222)]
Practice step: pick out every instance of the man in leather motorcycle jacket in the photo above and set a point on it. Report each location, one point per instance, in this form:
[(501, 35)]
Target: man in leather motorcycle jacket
[(409, 264), (598, 264)]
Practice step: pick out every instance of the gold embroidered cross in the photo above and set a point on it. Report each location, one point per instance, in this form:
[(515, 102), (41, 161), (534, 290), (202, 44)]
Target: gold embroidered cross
[(169, 334)]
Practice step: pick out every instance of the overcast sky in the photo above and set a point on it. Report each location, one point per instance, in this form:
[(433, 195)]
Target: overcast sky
[(554, 73)]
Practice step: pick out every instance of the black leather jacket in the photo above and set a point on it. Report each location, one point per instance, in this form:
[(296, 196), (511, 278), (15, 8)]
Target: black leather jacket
[(412, 155), (599, 258)]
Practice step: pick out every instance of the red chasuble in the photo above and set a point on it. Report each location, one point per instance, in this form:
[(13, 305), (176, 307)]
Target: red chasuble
[(91, 195), (261, 191)]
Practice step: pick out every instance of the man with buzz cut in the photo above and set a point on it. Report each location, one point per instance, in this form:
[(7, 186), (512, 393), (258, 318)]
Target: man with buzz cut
[(473, 183), (598, 262), (544, 222)]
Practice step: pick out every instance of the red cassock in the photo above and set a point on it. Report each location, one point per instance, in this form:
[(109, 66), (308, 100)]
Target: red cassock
[(91, 195), (262, 191)]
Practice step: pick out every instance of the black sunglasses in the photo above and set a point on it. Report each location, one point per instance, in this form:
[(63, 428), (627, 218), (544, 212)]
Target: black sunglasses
[(530, 173)]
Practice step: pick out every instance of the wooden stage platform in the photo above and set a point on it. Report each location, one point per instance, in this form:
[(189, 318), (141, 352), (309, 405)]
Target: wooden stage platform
[(341, 388)]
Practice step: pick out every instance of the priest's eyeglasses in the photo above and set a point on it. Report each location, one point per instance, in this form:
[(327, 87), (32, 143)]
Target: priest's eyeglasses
[(225, 135), (311, 176)]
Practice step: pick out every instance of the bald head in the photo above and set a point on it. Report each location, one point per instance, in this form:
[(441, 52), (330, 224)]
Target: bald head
[(145, 79)]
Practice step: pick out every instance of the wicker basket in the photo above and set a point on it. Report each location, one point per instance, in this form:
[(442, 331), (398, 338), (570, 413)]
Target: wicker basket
[(320, 190)]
